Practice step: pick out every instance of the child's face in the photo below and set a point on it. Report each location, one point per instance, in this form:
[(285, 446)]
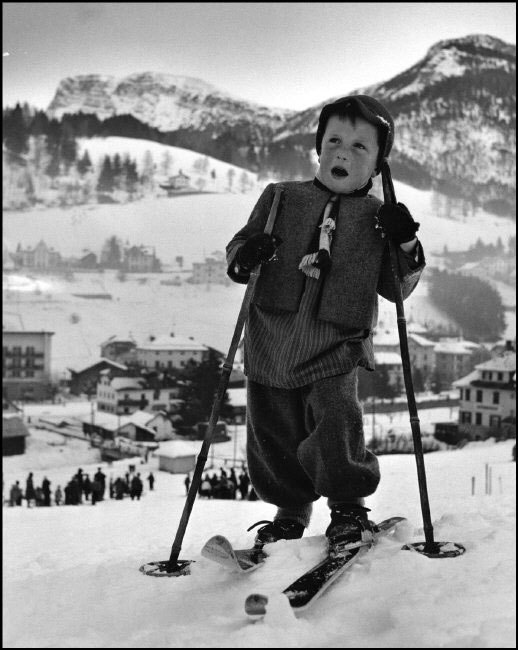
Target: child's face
[(349, 154)]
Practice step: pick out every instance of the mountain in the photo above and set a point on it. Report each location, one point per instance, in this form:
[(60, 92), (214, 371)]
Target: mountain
[(455, 117), (454, 112), (194, 113)]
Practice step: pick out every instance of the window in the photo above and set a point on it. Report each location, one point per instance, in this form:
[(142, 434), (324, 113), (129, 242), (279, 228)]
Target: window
[(465, 417), (496, 397), (467, 394), (500, 376), (479, 395), (478, 418)]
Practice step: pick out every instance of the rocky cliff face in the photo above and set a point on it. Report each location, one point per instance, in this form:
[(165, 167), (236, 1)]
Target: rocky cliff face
[(454, 112)]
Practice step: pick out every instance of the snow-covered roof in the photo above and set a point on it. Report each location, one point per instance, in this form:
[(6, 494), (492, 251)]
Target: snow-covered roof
[(120, 366), (504, 362), (112, 422), (172, 343), (127, 383), (386, 337), (455, 346), (466, 380), (421, 340), (178, 448), (387, 359)]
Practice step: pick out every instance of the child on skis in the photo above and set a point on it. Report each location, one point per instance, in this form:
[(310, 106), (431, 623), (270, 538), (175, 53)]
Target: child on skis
[(311, 322)]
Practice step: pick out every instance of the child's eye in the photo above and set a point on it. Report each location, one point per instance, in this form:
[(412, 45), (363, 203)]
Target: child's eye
[(359, 145)]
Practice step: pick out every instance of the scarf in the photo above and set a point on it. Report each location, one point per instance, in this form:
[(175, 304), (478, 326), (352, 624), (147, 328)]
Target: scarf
[(320, 259)]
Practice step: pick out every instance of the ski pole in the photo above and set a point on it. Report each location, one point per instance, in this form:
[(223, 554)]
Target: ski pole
[(174, 566), (431, 548)]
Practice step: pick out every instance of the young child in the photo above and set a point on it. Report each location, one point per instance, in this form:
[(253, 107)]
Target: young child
[(311, 322)]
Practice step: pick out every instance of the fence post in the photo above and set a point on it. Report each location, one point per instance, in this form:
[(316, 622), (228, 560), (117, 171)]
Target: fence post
[(472, 486)]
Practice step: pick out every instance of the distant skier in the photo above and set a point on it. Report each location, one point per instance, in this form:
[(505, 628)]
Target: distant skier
[(311, 322)]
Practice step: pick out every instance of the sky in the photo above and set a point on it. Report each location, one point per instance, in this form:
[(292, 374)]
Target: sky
[(286, 55)]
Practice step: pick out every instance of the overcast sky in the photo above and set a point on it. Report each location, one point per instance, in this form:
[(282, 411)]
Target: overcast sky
[(291, 55)]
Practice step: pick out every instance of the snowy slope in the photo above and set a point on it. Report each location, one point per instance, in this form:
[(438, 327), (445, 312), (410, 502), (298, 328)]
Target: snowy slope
[(193, 227), (71, 576)]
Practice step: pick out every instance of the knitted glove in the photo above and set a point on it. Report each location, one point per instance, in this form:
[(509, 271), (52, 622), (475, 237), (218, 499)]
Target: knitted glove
[(396, 222), (257, 249)]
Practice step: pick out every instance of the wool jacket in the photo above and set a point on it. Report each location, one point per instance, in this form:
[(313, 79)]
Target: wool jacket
[(360, 256)]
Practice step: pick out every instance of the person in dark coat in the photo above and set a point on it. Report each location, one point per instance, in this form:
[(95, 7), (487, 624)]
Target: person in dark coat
[(45, 487), (244, 484), (87, 486), (30, 492), (58, 495), (15, 495), (120, 488), (136, 487), (79, 478), (187, 483), (101, 477), (97, 491), (151, 480)]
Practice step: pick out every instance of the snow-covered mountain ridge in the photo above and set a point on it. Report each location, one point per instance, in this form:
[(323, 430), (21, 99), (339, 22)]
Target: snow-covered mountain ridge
[(165, 101), (454, 110)]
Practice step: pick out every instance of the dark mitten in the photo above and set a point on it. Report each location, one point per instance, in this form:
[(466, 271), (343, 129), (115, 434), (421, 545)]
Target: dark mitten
[(397, 222), (257, 249)]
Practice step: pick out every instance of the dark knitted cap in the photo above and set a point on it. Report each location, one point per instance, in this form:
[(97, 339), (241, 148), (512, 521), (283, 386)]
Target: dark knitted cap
[(368, 108)]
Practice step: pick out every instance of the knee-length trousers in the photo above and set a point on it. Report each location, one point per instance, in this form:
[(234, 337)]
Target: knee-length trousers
[(308, 442)]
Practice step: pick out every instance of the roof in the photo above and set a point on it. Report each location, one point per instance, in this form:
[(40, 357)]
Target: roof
[(387, 358), (420, 340), (178, 448), (120, 366), (505, 361), (466, 380), (455, 346), (386, 337), (112, 422), (128, 383), (172, 343), (13, 427)]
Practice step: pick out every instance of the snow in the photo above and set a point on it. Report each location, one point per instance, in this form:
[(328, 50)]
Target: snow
[(71, 576), (194, 227)]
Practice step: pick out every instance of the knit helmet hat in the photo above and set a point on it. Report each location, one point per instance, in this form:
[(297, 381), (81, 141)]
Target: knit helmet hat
[(371, 110)]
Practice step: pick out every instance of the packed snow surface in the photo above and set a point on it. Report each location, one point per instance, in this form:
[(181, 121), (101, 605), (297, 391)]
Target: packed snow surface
[(71, 577)]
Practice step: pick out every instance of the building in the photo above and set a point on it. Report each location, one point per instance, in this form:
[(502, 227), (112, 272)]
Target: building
[(177, 456), (14, 433), (119, 349), (167, 352), (212, 271), (141, 259), (392, 363), (86, 380), (453, 359), (176, 183), (487, 404), (40, 257), (422, 353), (26, 365), (125, 395)]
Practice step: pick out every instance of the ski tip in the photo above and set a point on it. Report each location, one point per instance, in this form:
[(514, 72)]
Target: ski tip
[(255, 605)]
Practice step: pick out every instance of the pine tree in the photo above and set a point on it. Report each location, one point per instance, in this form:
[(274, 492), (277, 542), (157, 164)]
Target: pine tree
[(16, 134), (106, 184)]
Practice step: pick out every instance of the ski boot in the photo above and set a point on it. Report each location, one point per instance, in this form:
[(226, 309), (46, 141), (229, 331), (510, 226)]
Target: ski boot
[(349, 527), (275, 530)]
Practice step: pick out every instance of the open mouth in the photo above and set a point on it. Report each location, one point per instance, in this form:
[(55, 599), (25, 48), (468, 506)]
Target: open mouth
[(339, 172)]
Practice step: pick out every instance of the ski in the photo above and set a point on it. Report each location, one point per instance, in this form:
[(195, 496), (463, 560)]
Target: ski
[(303, 592), (220, 550)]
